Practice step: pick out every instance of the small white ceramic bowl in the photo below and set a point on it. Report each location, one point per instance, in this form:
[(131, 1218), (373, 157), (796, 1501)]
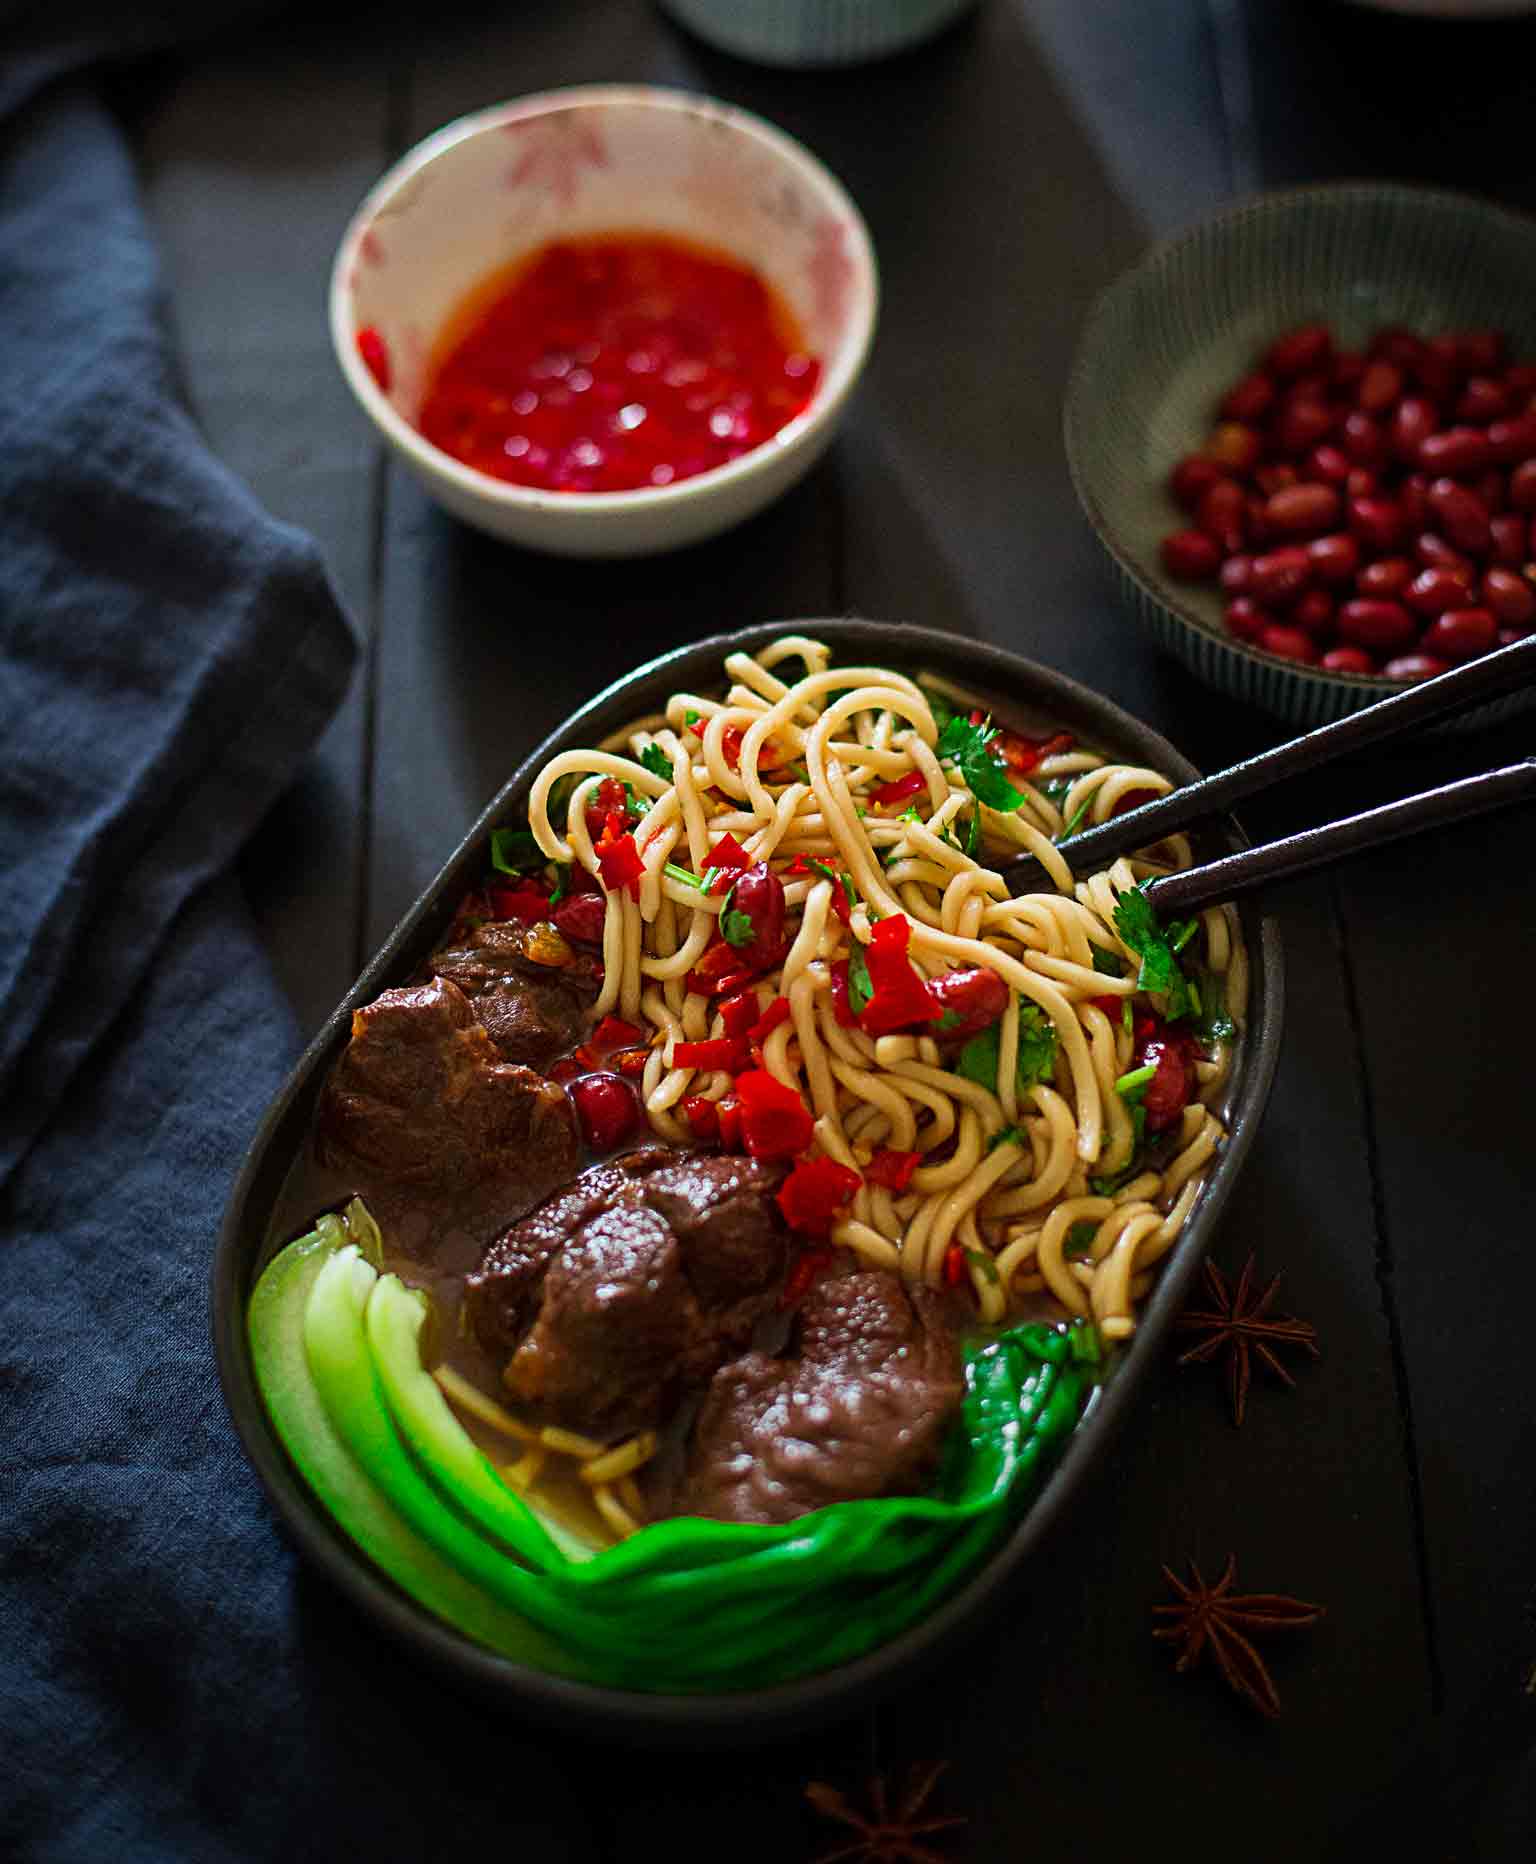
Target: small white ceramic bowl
[(481, 193)]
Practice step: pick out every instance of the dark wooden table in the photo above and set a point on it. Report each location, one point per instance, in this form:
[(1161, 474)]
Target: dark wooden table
[(1008, 171)]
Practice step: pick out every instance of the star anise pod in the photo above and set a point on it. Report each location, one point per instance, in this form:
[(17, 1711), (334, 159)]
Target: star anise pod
[(1239, 1323), (892, 1831), (1215, 1618)]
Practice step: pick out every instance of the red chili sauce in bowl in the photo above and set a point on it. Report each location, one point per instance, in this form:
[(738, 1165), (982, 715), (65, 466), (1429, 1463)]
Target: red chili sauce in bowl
[(614, 363)]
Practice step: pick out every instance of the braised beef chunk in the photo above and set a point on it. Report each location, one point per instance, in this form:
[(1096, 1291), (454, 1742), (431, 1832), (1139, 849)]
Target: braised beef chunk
[(862, 1412), (630, 1286), (533, 1012), (614, 1302), (421, 1097)]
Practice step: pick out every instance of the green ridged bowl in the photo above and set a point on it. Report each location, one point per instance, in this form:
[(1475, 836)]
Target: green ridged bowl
[(1166, 340)]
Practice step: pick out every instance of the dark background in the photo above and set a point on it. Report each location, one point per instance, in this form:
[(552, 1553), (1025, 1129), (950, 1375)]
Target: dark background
[(1008, 171)]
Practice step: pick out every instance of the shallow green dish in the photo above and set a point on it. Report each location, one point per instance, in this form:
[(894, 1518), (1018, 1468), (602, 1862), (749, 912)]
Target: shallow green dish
[(1165, 341)]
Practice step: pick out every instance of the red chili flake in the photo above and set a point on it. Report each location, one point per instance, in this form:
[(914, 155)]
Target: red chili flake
[(375, 354), (814, 1192), (775, 1121), (777, 1012), (808, 1269), (889, 795), (588, 1056), (1109, 1005), (892, 1169), (631, 1062), (954, 1265)]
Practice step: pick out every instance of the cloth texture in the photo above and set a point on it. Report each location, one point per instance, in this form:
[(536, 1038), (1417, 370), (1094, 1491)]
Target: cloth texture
[(172, 1685)]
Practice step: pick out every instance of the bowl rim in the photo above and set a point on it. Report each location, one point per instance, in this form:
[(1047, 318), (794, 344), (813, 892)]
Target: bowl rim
[(831, 392), (1157, 257), (721, 1717)]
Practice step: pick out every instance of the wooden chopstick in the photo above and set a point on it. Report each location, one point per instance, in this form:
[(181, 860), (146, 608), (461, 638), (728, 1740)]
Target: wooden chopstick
[(1463, 687), (1194, 888)]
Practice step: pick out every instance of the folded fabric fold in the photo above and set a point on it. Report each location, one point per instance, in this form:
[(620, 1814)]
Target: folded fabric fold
[(168, 653)]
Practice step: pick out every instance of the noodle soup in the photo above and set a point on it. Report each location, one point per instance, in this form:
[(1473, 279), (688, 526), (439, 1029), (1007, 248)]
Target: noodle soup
[(969, 1131)]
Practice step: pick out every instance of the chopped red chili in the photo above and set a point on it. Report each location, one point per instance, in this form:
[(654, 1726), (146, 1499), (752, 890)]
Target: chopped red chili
[(726, 857), (703, 1117), (1109, 1005), (813, 1193), (890, 794), (526, 904), (728, 1052), (719, 973), (619, 863), (631, 1062), (1025, 754), (738, 1012), (728, 1115), (954, 1266), (730, 747), (775, 1121), (777, 1012), (892, 1169), (900, 996)]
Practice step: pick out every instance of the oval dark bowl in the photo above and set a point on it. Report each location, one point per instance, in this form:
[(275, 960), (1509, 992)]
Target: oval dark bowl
[(247, 1238)]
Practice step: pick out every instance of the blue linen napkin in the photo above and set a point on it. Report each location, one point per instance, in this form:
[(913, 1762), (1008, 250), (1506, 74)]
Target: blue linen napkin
[(171, 1686)]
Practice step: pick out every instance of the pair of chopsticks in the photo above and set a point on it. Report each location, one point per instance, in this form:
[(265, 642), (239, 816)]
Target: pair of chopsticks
[(1237, 874)]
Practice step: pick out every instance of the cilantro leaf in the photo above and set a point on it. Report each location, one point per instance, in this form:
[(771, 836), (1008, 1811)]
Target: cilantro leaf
[(860, 986), (514, 850), (1106, 963), (657, 762), (978, 1060), (691, 717), (1137, 925), (562, 882), (737, 928), (1080, 1237), (1006, 1135), (1132, 1087), (1037, 1046), (973, 834), (1115, 1181), (1214, 1022), (986, 775), (983, 1263)]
